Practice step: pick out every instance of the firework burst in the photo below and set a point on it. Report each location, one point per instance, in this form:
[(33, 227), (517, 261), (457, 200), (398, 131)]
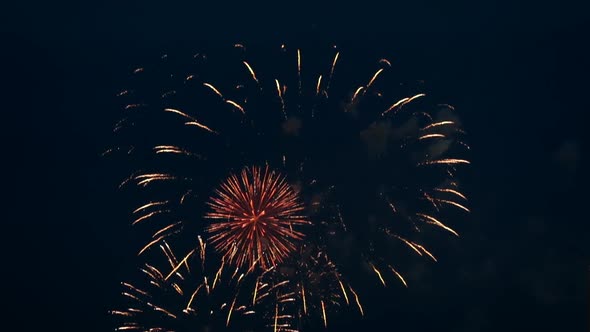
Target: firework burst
[(255, 214), (313, 287), (195, 293), (370, 164)]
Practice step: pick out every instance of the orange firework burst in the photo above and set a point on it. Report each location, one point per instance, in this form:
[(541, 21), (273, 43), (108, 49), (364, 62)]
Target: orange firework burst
[(256, 212)]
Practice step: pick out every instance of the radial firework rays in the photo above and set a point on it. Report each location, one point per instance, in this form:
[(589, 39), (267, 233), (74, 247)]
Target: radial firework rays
[(256, 213), (315, 288), (308, 172), (193, 293)]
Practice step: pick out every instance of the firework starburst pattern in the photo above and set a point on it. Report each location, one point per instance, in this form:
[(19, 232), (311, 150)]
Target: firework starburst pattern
[(255, 214), (308, 180)]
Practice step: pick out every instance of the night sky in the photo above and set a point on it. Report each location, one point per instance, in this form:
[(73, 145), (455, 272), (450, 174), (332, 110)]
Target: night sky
[(517, 73)]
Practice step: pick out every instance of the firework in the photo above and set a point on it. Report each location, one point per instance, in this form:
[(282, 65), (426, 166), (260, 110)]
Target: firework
[(194, 293), (368, 163), (255, 213), (313, 288)]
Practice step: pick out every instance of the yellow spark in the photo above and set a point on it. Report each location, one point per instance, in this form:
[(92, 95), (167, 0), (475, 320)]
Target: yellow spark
[(130, 106), (172, 110), (414, 97), (155, 270), (184, 196), (408, 243), (434, 221), (149, 215), (174, 256), (210, 86), (391, 206), (131, 296), (395, 105), (193, 121), (202, 126), (378, 273), (299, 61), (280, 94), (447, 106), (278, 87), (147, 181), (217, 276), (255, 292), (183, 261), (149, 273), (449, 161), (324, 313), (453, 203), (230, 311), (438, 124), (171, 259), (426, 251), (304, 301), (343, 291), (317, 89), (202, 246), (169, 149), (165, 311), (332, 70), (402, 102), (358, 302), (385, 61), (251, 71), (431, 136), (284, 282), (399, 276), (158, 233), (124, 328), (334, 63), (148, 178), (236, 105), (360, 88), (178, 289), (374, 77), (144, 293), (188, 305), (151, 244), (452, 191), (121, 313)]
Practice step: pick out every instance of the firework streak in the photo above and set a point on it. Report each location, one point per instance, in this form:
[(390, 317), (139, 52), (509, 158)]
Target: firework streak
[(304, 177)]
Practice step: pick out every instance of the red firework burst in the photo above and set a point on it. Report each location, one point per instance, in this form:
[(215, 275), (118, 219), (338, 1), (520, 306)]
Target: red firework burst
[(255, 213)]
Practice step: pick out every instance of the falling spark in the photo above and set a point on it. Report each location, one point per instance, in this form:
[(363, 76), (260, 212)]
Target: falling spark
[(324, 314), (399, 276), (378, 274), (449, 161), (343, 291), (358, 302), (374, 78), (434, 221), (452, 191), (251, 72)]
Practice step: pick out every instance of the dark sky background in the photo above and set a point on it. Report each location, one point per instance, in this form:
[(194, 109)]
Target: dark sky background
[(517, 72)]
